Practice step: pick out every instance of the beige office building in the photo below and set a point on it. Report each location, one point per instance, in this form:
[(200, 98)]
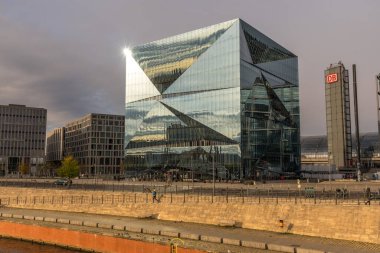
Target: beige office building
[(55, 145), (338, 117), (96, 141), (22, 138)]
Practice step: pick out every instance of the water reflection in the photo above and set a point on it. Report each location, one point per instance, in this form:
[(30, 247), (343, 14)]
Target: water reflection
[(16, 246)]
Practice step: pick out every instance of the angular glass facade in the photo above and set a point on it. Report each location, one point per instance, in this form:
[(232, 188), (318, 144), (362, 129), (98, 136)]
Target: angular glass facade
[(224, 96)]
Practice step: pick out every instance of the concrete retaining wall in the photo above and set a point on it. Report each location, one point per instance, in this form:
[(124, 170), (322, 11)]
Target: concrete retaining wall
[(350, 222)]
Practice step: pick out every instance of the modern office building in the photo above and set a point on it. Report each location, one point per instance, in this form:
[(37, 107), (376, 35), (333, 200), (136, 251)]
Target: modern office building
[(96, 141), (223, 97), (338, 116), (22, 138), (55, 145)]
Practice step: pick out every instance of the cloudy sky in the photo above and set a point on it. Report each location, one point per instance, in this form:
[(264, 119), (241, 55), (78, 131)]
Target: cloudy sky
[(66, 55)]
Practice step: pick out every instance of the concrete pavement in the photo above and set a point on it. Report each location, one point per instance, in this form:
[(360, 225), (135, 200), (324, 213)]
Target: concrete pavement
[(276, 185)]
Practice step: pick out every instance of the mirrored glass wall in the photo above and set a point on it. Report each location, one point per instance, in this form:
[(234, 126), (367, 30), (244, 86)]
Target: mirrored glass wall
[(220, 99)]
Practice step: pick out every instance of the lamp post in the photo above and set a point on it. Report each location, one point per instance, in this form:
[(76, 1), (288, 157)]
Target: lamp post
[(213, 174), (281, 148), (192, 171), (358, 158), (330, 165)]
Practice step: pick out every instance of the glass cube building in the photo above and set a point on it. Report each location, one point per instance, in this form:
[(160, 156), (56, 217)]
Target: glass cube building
[(222, 99)]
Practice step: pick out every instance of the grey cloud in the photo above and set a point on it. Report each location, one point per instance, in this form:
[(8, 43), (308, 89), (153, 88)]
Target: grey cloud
[(37, 70), (66, 55)]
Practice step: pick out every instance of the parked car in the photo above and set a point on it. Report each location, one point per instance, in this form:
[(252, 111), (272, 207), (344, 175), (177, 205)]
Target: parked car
[(63, 181), (118, 177), (309, 192), (375, 195)]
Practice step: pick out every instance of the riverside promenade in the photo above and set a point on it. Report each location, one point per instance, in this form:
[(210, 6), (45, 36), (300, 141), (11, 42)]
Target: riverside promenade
[(295, 222), (158, 231), (220, 187)]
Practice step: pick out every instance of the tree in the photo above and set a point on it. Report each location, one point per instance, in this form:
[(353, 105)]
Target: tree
[(69, 167), (122, 167), (24, 169), (46, 168)]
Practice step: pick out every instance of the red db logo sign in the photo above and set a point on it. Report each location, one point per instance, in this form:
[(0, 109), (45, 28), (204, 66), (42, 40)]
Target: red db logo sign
[(332, 78)]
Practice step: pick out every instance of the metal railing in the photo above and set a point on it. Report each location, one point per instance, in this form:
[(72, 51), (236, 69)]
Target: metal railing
[(200, 195)]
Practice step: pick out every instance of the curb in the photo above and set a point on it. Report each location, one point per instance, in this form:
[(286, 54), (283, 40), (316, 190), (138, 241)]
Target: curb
[(281, 248)]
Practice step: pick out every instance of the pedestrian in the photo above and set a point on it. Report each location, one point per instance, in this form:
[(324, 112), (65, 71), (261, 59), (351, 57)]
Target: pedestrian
[(154, 195), (368, 195)]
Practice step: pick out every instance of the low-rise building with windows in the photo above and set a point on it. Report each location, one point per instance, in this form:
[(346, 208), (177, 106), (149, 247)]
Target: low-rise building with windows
[(96, 141), (314, 153), (22, 138)]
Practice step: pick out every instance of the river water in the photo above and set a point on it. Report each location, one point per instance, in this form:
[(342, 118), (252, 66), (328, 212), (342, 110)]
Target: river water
[(16, 246)]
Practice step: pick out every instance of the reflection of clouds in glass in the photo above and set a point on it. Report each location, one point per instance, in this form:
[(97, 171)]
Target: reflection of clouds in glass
[(226, 149), (165, 60), (206, 98), (218, 109), (217, 68), (135, 114), (149, 137), (156, 121)]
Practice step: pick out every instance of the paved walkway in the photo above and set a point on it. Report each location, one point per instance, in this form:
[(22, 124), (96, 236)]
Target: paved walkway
[(330, 245)]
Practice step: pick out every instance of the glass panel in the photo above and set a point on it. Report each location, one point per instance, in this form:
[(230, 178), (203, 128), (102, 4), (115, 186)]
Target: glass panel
[(134, 116), (213, 96), (269, 107), (269, 56), (245, 54), (217, 68), (219, 110), (285, 69), (138, 86), (196, 120), (163, 61), (152, 130), (262, 48), (193, 131)]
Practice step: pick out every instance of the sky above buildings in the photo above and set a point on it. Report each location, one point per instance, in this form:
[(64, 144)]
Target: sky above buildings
[(66, 56)]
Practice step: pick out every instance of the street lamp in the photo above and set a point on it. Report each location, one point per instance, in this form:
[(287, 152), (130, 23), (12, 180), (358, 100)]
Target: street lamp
[(213, 174), (330, 165)]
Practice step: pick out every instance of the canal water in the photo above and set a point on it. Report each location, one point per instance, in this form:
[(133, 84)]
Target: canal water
[(16, 246)]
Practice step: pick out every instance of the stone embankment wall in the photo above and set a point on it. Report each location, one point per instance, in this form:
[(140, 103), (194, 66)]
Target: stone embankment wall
[(83, 241), (348, 221)]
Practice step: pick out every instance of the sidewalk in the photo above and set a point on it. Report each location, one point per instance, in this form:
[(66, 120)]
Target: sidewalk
[(324, 244)]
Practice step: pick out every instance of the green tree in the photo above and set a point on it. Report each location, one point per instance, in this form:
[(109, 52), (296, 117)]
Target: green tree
[(69, 168), (24, 169)]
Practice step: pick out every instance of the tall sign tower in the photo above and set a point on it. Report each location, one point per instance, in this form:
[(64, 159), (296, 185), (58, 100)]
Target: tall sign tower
[(338, 116)]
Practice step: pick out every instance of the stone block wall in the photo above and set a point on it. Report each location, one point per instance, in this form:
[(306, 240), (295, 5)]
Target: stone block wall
[(348, 222)]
